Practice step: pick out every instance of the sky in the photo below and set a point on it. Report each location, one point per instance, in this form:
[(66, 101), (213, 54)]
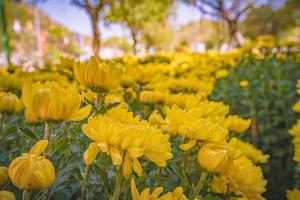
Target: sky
[(77, 20)]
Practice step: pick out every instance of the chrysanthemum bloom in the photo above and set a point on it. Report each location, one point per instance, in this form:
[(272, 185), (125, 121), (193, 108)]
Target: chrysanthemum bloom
[(3, 175), (177, 194), (9, 103), (244, 83), (293, 194), (222, 73), (213, 157), (95, 74), (248, 150), (237, 124), (126, 139), (296, 106), (245, 179), (49, 101), (151, 97), (32, 171), (6, 195)]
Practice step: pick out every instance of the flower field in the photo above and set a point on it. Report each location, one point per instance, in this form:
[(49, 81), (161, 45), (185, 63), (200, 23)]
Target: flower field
[(209, 126)]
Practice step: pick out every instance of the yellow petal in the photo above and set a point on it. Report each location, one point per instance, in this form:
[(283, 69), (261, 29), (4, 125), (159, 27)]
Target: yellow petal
[(188, 145), (135, 152), (137, 167), (116, 156), (145, 194), (157, 192), (80, 114), (134, 192), (91, 153), (127, 166), (39, 147)]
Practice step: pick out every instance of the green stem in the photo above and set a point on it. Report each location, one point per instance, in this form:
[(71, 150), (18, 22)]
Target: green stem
[(184, 167), (85, 181), (1, 123), (99, 101), (118, 184), (47, 136), (199, 185), (26, 195)]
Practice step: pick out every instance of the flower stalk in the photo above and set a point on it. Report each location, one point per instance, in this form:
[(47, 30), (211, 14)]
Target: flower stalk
[(26, 195), (47, 136), (85, 181), (118, 184), (1, 122), (199, 185)]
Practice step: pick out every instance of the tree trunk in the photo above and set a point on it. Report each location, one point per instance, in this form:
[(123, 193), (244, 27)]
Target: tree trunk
[(234, 33), (96, 32), (133, 33)]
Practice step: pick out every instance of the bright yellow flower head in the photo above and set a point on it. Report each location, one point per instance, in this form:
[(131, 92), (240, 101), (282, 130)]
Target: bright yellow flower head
[(249, 151), (245, 179), (32, 171), (156, 119), (95, 74), (6, 195), (151, 97), (49, 101), (126, 139), (9, 103), (293, 194), (237, 124), (244, 83), (295, 130), (3, 175), (213, 157), (222, 73), (296, 106), (177, 194)]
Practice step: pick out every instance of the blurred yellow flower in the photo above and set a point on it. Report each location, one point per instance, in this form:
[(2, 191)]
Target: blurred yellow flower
[(9, 102), (244, 83), (177, 194), (95, 74), (6, 195), (296, 106), (32, 171), (152, 97), (49, 101), (293, 194), (3, 175), (222, 73), (237, 124)]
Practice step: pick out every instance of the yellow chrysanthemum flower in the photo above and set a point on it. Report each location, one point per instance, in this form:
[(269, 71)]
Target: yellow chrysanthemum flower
[(295, 130), (126, 139), (293, 194), (151, 97), (244, 83), (248, 150), (32, 171), (296, 106), (6, 195), (95, 74), (3, 175), (9, 103), (237, 124), (49, 101), (177, 194), (214, 157), (245, 179), (222, 73)]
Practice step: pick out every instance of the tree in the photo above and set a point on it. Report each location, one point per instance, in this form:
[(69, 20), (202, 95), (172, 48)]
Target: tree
[(265, 19), (136, 13), (93, 8), (230, 11)]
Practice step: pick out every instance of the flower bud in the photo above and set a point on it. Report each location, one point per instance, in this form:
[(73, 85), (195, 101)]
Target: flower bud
[(32, 171)]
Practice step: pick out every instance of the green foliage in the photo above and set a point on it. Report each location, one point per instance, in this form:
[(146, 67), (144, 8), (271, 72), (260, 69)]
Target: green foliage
[(269, 97)]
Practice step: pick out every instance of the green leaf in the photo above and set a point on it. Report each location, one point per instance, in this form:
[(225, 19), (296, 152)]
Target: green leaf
[(26, 132)]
